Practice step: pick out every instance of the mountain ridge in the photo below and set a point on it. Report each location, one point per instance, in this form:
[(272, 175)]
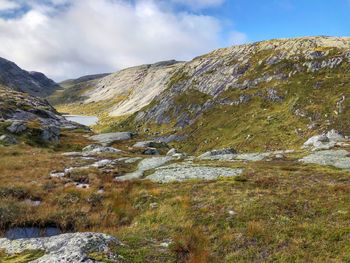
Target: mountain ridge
[(232, 93)]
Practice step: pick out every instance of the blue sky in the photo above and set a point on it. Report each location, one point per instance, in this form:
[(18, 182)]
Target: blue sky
[(261, 20), (71, 38)]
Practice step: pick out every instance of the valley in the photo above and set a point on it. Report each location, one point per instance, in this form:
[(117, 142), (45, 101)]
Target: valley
[(240, 155)]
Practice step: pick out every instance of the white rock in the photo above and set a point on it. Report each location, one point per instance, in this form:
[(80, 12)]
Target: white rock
[(68, 248)]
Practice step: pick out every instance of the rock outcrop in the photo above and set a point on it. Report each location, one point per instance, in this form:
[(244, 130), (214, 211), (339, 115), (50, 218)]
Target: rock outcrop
[(22, 114)]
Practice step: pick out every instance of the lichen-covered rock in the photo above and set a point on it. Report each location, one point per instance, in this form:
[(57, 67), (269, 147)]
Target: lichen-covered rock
[(325, 141), (144, 165), (69, 248), (336, 158), (108, 138), (97, 149), (182, 172), (211, 153)]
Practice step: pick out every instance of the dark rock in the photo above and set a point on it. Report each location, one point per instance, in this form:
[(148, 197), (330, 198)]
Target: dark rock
[(17, 127), (151, 151), (8, 139), (50, 134)]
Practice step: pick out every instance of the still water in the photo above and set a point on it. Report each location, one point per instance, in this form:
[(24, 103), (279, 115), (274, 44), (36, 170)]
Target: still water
[(84, 120)]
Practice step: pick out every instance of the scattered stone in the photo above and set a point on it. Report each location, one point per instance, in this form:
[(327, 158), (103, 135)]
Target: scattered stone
[(144, 165), (209, 154), (8, 140), (171, 152), (32, 202), (153, 205), (253, 157), (102, 163), (56, 174), (337, 158), (325, 141), (279, 156), (166, 243), (17, 127), (108, 138), (96, 149), (70, 248), (151, 151), (183, 172), (82, 186), (232, 213)]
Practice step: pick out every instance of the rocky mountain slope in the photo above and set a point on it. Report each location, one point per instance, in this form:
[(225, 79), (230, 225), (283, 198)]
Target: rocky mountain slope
[(34, 83), (261, 96)]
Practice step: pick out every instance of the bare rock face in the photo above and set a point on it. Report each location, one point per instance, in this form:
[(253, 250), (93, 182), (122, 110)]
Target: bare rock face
[(33, 83), (70, 248)]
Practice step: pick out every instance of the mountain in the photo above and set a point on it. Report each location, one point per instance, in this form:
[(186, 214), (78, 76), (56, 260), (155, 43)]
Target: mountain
[(120, 93), (262, 96), (33, 83)]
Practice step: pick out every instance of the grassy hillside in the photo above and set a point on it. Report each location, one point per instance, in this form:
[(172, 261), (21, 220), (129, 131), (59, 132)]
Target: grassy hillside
[(262, 96)]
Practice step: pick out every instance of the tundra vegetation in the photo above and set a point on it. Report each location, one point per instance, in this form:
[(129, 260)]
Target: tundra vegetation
[(255, 104)]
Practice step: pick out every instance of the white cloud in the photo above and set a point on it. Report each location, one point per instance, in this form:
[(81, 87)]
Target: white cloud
[(237, 38), (198, 4), (103, 36), (8, 5)]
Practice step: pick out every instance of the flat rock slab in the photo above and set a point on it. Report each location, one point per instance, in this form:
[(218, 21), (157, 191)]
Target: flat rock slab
[(70, 248), (108, 138), (144, 165), (337, 158), (183, 172), (250, 157)]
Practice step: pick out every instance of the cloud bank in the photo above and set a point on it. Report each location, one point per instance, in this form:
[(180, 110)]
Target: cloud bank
[(66, 39)]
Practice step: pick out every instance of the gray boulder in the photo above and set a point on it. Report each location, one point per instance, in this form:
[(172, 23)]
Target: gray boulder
[(70, 248), (108, 138), (325, 141), (8, 139), (176, 154), (50, 134), (17, 127)]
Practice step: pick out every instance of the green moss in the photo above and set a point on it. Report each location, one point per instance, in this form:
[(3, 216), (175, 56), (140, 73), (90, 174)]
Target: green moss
[(24, 257)]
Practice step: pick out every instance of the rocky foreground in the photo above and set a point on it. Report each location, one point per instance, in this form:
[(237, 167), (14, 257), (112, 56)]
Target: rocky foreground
[(154, 161)]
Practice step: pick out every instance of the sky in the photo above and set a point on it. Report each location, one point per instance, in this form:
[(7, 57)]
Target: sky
[(71, 38)]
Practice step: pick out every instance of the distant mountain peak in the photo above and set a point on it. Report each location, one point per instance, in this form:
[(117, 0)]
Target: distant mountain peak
[(33, 83)]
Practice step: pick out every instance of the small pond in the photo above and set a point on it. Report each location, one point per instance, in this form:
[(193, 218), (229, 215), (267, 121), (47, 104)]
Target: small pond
[(84, 120), (31, 232)]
